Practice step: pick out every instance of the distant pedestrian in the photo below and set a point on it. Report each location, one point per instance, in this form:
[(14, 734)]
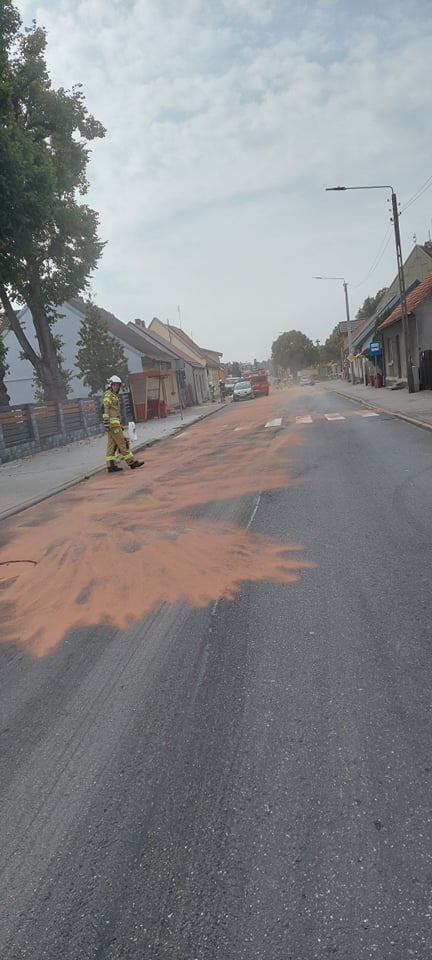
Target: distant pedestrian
[(113, 428), (222, 391)]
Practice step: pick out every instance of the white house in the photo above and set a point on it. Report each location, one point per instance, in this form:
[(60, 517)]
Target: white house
[(20, 378)]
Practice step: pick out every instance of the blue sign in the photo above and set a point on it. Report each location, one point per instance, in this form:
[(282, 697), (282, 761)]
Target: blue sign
[(375, 348)]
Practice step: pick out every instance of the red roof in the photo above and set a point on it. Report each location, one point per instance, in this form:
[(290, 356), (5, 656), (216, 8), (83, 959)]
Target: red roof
[(422, 292)]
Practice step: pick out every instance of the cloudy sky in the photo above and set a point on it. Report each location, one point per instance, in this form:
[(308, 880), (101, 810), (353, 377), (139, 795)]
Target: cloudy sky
[(226, 120)]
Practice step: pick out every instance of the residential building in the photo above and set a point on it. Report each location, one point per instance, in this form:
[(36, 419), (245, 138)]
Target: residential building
[(206, 363), (19, 380), (188, 368), (417, 267), (419, 336)]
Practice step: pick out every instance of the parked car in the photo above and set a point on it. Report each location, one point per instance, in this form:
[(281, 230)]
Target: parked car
[(230, 383), (243, 390), (306, 381)]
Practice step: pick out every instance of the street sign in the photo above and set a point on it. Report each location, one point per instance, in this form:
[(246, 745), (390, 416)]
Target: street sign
[(375, 348)]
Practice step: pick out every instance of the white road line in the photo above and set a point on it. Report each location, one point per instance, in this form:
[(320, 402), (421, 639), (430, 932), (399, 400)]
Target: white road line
[(369, 414), (239, 428), (251, 520), (274, 423), (304, 420), (334, 416), (254, 511)]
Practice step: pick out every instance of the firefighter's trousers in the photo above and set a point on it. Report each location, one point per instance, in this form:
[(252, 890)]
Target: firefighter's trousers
[(117, 441)]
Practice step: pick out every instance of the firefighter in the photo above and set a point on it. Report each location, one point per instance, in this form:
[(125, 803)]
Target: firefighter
[(113, 429)]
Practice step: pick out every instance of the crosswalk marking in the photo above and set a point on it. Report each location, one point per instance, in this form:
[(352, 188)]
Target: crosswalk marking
[(274, 423), (313, 418)]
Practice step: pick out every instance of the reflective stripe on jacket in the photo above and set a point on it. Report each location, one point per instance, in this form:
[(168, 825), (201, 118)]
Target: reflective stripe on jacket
[(111, 408)]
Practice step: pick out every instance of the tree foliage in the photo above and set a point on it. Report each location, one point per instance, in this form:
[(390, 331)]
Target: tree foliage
[(99, 355), (233, 369), (370, 305), (293, 351), (49, 244), (330, 351)]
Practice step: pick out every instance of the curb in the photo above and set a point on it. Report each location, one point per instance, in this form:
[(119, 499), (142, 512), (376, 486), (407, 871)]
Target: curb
[(393, 413)]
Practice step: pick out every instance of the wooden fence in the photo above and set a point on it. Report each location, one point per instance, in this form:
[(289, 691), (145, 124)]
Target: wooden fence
[(42, 426)]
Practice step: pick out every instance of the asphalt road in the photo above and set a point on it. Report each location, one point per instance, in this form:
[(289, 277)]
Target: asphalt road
[(243, 770)]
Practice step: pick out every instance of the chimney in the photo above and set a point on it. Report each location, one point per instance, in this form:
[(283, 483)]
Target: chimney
[(140, 323)]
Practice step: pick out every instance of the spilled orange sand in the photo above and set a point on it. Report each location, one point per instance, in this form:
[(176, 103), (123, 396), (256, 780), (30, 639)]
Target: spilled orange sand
[(114, 548)]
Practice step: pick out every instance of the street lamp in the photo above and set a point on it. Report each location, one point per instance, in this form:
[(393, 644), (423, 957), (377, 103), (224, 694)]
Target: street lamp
[(345, 286), (402, 291)]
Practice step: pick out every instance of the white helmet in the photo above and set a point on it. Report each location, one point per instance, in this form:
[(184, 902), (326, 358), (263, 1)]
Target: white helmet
[(114, 379)]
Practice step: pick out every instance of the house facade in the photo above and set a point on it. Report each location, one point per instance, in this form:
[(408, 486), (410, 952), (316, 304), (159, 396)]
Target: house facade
[(187, 368), (205, 363), (419, 338), (390, 361), (19, 380), (166, 368)]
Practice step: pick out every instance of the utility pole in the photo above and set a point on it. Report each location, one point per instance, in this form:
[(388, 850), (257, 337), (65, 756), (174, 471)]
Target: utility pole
[(348, 321), (350, 353), (402, 291)]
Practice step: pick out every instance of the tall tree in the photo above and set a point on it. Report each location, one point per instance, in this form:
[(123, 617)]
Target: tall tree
[(49, 244), (293, 351), (331, 350), (99, 354), (370, 304)]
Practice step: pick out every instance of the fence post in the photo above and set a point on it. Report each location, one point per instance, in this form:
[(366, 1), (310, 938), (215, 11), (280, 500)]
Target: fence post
[(34, 423), (83, 408), (2, 444), (61, 419)]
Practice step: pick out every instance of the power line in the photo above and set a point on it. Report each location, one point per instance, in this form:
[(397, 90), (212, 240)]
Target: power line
[(378, 257), (418, 193), (387, 236)]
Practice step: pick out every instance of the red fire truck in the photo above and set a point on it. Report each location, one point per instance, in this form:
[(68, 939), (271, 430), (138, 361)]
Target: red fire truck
[(259, 382)]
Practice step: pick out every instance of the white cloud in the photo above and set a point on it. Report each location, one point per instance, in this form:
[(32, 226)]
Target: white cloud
[(225, 121)]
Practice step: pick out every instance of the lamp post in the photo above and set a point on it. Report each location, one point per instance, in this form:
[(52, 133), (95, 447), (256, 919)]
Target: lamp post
[(348, 319), (402, 291)]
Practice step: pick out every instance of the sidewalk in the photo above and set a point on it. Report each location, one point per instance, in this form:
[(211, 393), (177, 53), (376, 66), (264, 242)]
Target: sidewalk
[(414, 407), (32, 479)]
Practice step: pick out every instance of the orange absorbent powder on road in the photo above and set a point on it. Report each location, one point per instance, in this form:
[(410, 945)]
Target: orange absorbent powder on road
[(99, 554)]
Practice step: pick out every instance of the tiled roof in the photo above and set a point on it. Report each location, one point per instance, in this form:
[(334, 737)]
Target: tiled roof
[(343, 326), (417, 296), (121, 330), (132, 337)]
